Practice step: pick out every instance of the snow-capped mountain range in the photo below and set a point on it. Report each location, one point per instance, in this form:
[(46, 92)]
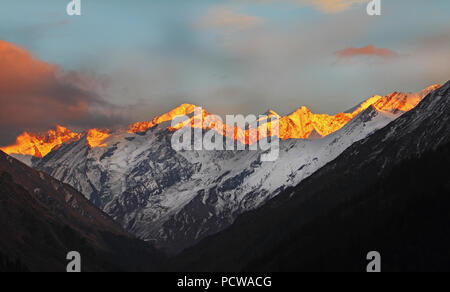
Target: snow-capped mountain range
[(388, 192), (175, 199)]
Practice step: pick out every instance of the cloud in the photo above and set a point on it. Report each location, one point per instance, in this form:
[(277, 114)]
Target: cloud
[(35, 95), (289, 63), (326, 6), (226, 18), (331, 6), (368, 51)]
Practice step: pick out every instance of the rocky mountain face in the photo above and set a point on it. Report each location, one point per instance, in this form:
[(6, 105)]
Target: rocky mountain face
[(44, 219), (386, 193), (175, 199)]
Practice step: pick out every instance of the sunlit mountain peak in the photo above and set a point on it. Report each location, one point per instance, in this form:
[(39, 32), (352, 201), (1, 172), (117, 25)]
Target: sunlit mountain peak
[(300, 124)]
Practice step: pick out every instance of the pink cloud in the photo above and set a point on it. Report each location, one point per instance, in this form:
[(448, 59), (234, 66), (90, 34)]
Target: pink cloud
[(368, 51), (226, 18), (325, 6), (332, 6), (35, 95)]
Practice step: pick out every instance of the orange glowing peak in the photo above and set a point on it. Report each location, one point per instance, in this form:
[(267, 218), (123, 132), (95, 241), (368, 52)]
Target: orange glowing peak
[(403, 102), (182, 110), (95, 137), (300, 124), (39, 145), (271, 113)]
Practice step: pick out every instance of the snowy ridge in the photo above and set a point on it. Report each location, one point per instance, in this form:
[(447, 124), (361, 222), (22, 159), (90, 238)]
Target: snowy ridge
[(177, 198)]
